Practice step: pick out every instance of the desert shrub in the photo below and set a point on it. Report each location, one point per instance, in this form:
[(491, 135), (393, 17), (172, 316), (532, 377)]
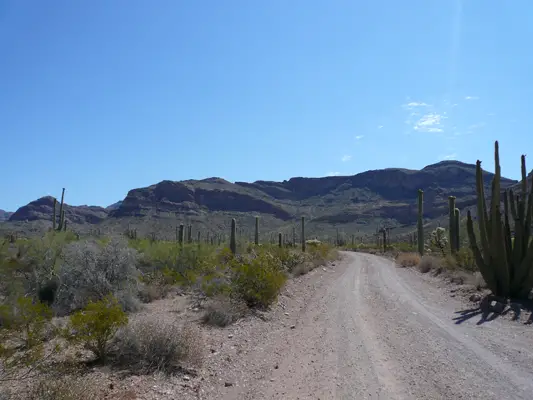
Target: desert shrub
[(96, 325), (147, 346), (90, 272), (428, 263), (26, 320), (258, 279), (150, 293), (25, 326), (465, 259), (223, 311), (27, 265), (302, 268), (408, 259), (289, 258), (65, 388)]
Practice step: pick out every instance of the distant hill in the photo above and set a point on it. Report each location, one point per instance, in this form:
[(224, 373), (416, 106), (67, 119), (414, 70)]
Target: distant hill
[(4, 215), (353, 203)]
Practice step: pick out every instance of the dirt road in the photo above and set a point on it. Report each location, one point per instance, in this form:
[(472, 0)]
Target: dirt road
[(365, 329)]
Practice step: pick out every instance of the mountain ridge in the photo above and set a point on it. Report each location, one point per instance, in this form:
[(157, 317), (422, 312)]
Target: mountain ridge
[(386, 194)]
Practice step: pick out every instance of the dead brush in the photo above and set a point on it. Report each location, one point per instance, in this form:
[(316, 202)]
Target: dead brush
[(154, 345), (428, 263), (223, 311), (408, 259)]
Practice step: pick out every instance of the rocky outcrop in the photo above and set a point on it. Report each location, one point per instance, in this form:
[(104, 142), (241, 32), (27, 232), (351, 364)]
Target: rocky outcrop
[(42, 209)]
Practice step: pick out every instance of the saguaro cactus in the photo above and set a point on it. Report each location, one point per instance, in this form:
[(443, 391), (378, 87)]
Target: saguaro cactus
[(233, 236), (506, 264), (451, 224), (256, 236), (420, 229), (303, 234), (181, 232), (280, 239), (457, 216), (60, 226)]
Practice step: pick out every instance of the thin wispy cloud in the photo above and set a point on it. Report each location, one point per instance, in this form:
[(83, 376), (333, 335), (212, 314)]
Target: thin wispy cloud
[(380, 126), (415, 104), (346, 158), (452, 156), (333, 174), (471, 98), (429, 123), (359, 137)]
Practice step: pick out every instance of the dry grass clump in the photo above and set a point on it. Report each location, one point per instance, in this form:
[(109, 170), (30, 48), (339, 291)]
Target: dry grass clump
[(65, 388), (303, 268), (154, 345), (428, 263), (408, 259), (223, 311)]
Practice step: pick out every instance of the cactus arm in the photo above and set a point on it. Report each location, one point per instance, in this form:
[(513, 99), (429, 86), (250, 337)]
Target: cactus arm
[(497, 241), (507, 230), (482, 214), (484, 268)]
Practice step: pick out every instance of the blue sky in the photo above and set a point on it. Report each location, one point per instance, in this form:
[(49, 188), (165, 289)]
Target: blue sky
[(104, 96)]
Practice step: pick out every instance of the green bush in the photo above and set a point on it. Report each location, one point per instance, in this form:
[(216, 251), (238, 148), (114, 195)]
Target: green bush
[(96, 325), (258, 279), (465, 259), (27, 320), (24, 327)]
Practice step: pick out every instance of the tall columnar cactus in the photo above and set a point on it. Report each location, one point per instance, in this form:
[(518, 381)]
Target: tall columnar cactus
[(384, 232), (60, 226), (293, 236), (54, 216), (61, 211), (457, 217), (451, 224), (303, 234), (233, 236), (181, 234), (280, 240), (256, 236), (189, 234), (506, 264), (420, 230)]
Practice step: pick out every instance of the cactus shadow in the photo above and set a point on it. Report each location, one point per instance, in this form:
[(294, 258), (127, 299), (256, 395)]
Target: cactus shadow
[(488, 313), (483, 310), (484, 314)]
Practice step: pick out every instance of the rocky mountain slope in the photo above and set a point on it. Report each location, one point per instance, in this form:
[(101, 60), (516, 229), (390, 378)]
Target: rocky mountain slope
[(387, 194), (4, 215)]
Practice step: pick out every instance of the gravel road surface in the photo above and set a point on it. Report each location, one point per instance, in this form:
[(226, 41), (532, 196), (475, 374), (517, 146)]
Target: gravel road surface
[(365, 329)]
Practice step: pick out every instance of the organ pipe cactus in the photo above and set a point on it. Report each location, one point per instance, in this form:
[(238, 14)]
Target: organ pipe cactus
[(420, 230), (506, 264)]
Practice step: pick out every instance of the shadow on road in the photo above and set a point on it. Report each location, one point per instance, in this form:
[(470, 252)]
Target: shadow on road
[(487, 313)]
